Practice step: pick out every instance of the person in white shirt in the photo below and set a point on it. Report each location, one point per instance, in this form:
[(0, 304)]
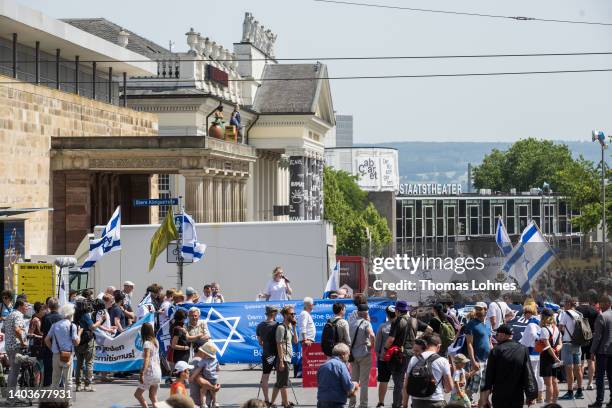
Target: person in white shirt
[(216, 293), (278, 287), (207, 294), (570, 353), (306, 330), (530, 335), (498, 313), (165, 314), (441, 371)]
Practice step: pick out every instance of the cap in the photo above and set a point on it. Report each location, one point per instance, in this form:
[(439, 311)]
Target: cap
[(401, 306), (363, 307), (271, 309), (505, 329), (460, 359), (190, 291), (209, 349), (390, 309), (182, 366), (482, 305), (128, 283)]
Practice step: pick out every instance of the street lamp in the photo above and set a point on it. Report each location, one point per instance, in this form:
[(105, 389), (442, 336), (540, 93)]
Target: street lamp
[(599, 136)]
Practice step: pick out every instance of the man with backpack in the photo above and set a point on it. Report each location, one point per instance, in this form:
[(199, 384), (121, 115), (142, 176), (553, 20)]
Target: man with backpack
[(575, 335), (509, 377), (336, 330), (266, 336), (362, 341), (402, 334), (85, 351), (428, 376)]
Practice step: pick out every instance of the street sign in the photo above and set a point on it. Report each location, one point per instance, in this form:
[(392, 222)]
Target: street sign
[(148, 202), (172, 254), (36, 280)]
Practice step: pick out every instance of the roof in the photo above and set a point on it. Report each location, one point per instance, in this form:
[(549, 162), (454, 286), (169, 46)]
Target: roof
[(294, 96), (109, 31)]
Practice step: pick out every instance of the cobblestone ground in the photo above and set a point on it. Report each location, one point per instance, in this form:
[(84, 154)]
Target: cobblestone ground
[(239, 384)]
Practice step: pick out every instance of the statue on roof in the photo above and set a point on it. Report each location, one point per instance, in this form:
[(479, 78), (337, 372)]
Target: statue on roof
[(247, 27)]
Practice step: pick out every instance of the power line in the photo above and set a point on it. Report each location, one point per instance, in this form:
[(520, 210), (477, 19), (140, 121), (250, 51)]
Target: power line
[(348, 58), (166, 81), (462, 13)]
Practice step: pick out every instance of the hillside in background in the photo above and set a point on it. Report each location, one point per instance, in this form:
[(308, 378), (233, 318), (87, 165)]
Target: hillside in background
[(447, 162)]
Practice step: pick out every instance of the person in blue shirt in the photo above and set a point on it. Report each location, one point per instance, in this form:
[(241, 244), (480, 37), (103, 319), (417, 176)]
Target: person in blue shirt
[(334, 380), (477, 346), (6, 307)]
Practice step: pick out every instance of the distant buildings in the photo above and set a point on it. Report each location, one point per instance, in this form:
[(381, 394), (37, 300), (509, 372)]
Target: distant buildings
[(344, 130)]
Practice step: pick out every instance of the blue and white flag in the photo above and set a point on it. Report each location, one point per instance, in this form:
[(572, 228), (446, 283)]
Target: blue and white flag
[(333, 283), (110, 241), (145, 306), (529, 258), (192, 249), (502, 239)]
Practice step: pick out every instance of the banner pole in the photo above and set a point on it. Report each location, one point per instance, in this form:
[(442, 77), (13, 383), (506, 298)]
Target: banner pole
[(179, 264)]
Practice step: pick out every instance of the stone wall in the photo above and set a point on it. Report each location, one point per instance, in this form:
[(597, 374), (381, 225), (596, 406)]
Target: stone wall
[(29, 116)]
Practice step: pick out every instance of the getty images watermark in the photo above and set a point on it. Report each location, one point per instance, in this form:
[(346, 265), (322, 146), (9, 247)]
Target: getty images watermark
[(412, 265)]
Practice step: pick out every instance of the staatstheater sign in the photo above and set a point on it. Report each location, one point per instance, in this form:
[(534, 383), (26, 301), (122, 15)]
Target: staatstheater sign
[(421, 189)]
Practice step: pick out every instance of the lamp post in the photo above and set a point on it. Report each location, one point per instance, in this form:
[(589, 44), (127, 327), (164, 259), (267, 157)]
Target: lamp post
[(600, 137)]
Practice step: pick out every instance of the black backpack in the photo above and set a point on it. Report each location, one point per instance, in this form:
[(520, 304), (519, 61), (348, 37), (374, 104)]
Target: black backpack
[(421, 381), (329, 337), (271, 340)]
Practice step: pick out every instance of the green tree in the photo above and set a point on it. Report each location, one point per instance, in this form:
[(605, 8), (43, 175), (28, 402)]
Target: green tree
[(347, 208)]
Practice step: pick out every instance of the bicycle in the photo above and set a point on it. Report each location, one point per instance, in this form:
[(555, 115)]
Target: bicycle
[(27, 379)]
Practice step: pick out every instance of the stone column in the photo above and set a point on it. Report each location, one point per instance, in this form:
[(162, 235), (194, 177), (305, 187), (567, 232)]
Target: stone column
[(227, 200), (235, 201), (218, 199), (243, 199), (194, 194), (296, 187), (208, 199), (274, 194)]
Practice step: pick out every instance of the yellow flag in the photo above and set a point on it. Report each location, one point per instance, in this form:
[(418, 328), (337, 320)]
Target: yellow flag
[(165, 233)]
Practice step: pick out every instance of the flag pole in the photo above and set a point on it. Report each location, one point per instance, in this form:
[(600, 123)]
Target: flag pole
[(179, 264)]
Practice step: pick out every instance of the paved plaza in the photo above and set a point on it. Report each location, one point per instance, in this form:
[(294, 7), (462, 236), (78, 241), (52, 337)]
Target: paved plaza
[(240, 384)]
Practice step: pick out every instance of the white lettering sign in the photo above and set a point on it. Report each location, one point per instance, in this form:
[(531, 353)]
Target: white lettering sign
[(421, 189)]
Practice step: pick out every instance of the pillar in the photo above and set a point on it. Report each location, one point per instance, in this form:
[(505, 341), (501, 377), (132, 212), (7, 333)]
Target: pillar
[(296, 187), (208, 199), (218, 199), (243, 199), (274, 180), (227, 199), (235, 201), (194, 194)]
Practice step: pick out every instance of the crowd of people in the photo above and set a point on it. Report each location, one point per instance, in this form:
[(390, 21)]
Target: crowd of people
[(434, 360)]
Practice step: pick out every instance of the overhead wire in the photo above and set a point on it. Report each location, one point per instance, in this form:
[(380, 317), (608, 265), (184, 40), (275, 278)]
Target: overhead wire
[(464, 13)]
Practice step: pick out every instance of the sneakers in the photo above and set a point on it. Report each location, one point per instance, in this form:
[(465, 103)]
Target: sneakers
[(79, 388), (590, 387), (579, 394), (379, 405), (89, 388), (568, 396)]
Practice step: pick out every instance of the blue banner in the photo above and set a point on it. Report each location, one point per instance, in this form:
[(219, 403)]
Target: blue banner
[(232, 325)]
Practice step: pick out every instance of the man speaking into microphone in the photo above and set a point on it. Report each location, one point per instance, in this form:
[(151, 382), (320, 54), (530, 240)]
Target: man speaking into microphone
[(278, 287)]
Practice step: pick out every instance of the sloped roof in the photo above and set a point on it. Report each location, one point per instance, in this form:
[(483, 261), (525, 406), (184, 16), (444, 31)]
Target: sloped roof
[(293, 96), (109, 31)]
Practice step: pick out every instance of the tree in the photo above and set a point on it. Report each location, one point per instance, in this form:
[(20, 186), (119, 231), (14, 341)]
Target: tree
[(347, 208), (529, 163)]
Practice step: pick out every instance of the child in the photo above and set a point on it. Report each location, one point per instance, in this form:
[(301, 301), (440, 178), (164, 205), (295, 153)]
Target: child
[(181, 372), (150, 374), (458, 394), (205, 375)]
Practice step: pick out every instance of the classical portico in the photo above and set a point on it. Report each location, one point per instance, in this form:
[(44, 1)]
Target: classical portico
[(91, 176)]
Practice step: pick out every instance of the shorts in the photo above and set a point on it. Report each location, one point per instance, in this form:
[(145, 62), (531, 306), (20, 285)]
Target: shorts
[(384, 371), (546, 365), (282, 377), (266, 367), (570, 354), (586, 351)]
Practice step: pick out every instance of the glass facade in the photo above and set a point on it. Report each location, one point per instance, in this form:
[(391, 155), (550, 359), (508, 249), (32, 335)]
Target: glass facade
[(432, 225)]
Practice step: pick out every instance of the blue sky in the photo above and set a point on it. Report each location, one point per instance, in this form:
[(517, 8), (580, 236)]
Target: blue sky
[(565, 106)]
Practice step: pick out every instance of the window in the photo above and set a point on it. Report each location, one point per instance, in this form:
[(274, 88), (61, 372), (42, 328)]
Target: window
[(510, 208), (473, 222), (450, 221), (486, 208), (535, 208), (163, 187), (429, 221), (498, 210), (408, 222), (523, 213), (399, 228)]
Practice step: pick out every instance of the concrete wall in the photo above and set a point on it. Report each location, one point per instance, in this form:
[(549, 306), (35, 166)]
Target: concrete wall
[(240, 257), (29, 116)]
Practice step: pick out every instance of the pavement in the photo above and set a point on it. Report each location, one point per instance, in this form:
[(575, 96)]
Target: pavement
[(239, 383)]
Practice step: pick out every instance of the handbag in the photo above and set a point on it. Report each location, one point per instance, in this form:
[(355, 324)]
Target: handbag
[(351, 358), (64, 356), (170, 354)]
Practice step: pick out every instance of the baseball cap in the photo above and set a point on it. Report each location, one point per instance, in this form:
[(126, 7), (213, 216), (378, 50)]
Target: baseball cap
[(190, 291), (505, 329), (401, 306), (182, 366), (128, 283), (363, 307), (481, 305), (461, 359)]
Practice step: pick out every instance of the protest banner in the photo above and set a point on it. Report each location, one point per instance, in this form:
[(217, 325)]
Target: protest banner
[(313, 357), (121, 353)]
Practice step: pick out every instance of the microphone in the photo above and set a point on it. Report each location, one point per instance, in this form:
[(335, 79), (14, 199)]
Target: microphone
[(285, 278)]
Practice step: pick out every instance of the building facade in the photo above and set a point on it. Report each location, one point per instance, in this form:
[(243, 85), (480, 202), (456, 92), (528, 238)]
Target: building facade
[(344, 130), (436, 224)]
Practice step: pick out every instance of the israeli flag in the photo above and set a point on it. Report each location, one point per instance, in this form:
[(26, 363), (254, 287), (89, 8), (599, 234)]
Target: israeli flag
[(529, 258), (502, 239), (333, 283), (191, 247), (145, 306), (110, 241)]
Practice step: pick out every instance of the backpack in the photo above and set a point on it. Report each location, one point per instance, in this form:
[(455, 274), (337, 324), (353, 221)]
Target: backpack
[(582, 330), (421, 381), (329, 337), (447, 334), (271, 340)]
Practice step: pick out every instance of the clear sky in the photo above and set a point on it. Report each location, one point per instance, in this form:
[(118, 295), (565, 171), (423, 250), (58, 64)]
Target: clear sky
[(561, 106)]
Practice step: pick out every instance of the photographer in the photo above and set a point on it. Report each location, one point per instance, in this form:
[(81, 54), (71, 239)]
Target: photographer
[(278, 287), (84, 316)]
